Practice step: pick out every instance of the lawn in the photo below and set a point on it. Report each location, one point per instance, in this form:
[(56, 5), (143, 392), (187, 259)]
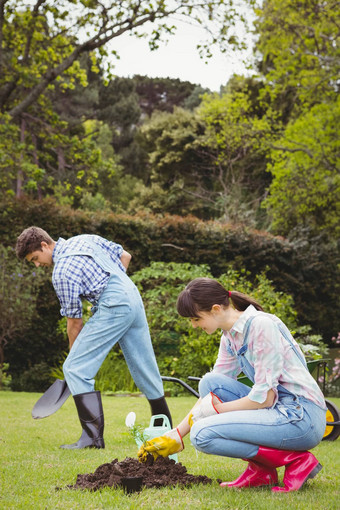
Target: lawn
[(32, 466)]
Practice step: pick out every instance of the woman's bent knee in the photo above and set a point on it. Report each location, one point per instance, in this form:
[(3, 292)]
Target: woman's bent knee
[(207, 384)]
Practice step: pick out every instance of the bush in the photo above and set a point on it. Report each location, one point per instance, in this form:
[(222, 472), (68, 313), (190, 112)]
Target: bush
[(305, 270), (37, 379), (5, 378), (181, 350), (114, 374)]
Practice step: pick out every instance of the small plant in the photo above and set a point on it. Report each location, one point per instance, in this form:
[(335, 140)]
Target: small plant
[(136, 430)]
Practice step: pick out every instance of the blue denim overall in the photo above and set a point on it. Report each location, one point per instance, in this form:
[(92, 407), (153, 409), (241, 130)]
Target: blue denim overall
[(293, 423), (118, 316)]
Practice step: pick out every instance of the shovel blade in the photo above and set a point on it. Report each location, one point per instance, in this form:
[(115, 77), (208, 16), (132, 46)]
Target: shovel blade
[(51, 400)]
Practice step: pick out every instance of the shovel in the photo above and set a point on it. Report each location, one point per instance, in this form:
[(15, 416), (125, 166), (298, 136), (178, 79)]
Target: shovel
[(51, 400)]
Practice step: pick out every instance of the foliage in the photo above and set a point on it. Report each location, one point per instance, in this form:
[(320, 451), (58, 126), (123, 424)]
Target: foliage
[(298, 50), (235, 137), (48, 51), (209, 162), (114, 375), (19, 287), (305, 191), (5, 377), (37, 378), (57, 371), (177, 162), (161, 94), (332, 375), (42, 157), (312, 345), (304, 269), (180, 349), (44, 41)]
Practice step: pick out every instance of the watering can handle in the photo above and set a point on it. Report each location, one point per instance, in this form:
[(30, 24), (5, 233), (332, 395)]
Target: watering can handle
[(166, 422)]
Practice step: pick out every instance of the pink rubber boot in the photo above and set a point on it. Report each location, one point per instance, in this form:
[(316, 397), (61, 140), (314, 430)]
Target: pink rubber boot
[(261, 470), (255, 475)]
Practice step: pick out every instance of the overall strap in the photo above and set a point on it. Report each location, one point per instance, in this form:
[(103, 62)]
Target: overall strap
[(284, 332), (96, 252)]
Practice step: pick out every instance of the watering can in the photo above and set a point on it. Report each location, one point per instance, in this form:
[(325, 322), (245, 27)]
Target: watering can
[(154, 430)]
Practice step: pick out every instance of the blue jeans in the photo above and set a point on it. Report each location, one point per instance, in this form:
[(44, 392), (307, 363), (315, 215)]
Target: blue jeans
[(118, 317), (294, 423)]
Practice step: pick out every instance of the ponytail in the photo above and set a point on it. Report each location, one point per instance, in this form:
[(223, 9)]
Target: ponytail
[(242, 301), (202, 293)]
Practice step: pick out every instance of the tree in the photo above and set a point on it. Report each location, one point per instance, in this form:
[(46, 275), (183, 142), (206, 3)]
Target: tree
[(305, 192), (210, 162), (236, 138), (161, 94), (41, 47), (178, 164), (298, 51), (41, 42)]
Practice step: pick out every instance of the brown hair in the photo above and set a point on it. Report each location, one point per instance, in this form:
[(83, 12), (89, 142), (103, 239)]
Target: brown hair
[(30, 240), (202, 293)]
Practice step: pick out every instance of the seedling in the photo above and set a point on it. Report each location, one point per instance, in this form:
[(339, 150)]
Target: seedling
[(135, 430)]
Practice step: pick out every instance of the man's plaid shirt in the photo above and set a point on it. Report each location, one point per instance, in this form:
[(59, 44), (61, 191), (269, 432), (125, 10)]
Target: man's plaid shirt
[(80, 277)]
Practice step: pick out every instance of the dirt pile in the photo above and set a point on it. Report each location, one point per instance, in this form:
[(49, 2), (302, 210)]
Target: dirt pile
[(161, 473)]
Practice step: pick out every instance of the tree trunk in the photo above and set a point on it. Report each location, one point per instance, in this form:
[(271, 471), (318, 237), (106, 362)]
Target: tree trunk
[(20, 174)]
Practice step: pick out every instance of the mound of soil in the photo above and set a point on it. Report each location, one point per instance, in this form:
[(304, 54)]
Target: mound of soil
[(161, 473)]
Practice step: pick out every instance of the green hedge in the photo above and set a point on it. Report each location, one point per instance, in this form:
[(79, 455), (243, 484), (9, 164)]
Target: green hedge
[(308, 271)]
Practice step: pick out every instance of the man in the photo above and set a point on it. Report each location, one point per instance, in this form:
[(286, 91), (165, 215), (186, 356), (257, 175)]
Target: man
[(93, 268)]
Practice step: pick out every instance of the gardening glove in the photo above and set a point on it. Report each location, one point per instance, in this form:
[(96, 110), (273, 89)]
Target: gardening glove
[(163, 446), (206, 408)]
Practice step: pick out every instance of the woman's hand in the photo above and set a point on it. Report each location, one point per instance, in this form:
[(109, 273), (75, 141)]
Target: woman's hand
[(163, 446), (207, 407)]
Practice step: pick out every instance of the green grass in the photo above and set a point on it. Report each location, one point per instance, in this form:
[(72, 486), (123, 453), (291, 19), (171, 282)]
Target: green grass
[(32, 465)]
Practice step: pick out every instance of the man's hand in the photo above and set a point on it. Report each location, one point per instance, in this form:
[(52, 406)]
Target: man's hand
[(206, 408), (125, 259), (163, 446), (74, 327)]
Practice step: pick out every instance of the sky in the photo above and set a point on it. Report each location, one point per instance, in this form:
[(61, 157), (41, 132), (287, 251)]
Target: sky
[(178, 58)]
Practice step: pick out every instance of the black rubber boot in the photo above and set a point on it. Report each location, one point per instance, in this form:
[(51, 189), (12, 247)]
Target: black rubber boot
[(159, 406), (91, 416)]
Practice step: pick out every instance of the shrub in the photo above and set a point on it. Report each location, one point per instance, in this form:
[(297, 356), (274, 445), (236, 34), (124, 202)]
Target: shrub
[(5, 378), (305, 270), (181, 350), (37, 378), (308, 270), (114, 374)]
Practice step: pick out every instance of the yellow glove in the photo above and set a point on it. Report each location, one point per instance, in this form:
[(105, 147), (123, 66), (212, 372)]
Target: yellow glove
[(204, 409), (163, 446)]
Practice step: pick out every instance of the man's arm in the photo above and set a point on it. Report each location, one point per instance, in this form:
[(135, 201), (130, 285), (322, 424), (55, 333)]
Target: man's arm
[(125, 259), (74, 326)]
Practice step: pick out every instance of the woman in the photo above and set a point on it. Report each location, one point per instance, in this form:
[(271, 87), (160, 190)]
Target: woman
[(273, 423)]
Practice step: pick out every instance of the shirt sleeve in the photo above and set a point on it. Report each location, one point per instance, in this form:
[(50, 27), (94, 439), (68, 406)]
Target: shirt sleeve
[(68, 293), (226, 363), (116, 251), (266, 350)]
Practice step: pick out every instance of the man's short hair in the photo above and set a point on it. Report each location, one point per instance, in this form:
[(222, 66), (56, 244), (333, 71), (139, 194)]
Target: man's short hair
[(30, 240)]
